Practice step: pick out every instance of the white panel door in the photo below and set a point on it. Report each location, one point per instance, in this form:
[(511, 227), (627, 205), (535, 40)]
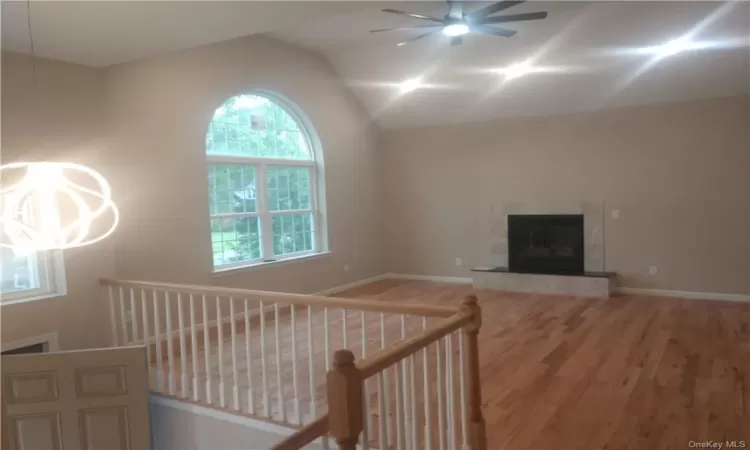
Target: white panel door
[(80, 400)]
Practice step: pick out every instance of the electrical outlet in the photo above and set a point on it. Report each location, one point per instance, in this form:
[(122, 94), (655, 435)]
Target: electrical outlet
[(653, 270), (615, 213), (459, 261), (346, 267)]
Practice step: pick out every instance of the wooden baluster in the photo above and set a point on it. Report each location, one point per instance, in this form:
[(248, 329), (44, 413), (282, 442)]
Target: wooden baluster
[(382, 436), (449, 391), (183, 348), (440, 394), (194, 348), (462, 391), (235, 371), (405, 392), (279, 385), (133, 320), (220, 333), (345, 328), (413, 401), (345, 389), (170, 345), (427, 397), (327, 337), (249, 360), (263, 365), (477, 430), (295, 381), (157, 343), (123, 317), (207, 349), (402, 440), (311, 363), (146, 336), (368, 417), (387, 390), (113, 317)]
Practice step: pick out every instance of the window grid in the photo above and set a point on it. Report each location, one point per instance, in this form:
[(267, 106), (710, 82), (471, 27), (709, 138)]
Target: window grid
[(274, 210)]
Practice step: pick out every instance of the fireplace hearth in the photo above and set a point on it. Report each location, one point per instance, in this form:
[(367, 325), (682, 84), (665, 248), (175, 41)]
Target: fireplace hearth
[(546, 244)]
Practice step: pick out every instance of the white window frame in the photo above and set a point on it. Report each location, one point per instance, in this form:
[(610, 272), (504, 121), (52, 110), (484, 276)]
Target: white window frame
[(265, 216), (50, 271)]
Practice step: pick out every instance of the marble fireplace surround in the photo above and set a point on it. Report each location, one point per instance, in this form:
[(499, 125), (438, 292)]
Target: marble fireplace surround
[(593, 228)]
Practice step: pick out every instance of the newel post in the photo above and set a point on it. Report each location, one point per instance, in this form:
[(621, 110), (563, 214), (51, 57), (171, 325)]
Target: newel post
[(477, 431), (345, 410)]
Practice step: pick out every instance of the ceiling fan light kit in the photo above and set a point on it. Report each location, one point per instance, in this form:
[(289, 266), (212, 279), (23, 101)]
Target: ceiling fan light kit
[(457, 23)]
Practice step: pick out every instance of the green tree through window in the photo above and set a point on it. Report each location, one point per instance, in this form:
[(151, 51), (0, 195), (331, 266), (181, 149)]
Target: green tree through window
[(261, 181)]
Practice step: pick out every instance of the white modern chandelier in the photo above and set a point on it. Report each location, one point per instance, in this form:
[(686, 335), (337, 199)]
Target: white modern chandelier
[(53, 205)]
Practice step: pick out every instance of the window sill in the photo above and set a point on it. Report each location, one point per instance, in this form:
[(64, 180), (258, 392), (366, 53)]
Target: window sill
[(14, 300), (281, 262)]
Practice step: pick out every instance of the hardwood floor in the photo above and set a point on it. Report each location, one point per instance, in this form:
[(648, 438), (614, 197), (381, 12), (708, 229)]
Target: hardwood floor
[(622, 373), (559, 372)]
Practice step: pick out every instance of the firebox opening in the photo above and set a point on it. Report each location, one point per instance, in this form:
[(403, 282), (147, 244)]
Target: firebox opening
[(546, 244)]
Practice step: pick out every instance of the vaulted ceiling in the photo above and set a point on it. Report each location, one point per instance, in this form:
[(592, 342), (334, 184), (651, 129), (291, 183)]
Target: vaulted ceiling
[(102, 33), (589, 55), (596, 55)]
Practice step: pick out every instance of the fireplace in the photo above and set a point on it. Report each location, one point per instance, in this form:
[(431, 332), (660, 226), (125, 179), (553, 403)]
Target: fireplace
[(546, 244)]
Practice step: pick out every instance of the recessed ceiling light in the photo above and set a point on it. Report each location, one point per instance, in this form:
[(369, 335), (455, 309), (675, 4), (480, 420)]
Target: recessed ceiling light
[(409, 85), (517, 70), (456, 29), (673, 47)]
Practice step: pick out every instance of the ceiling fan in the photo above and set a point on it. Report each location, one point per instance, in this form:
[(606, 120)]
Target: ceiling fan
[(457, 23)]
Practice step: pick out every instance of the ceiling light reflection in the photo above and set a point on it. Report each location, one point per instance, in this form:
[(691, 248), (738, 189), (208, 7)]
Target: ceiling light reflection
[(410, 85), (456, 29)]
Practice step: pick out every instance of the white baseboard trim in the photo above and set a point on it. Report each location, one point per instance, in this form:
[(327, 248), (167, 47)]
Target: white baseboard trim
[(438, 279), (351, 285), (207, 411), (684, 294)]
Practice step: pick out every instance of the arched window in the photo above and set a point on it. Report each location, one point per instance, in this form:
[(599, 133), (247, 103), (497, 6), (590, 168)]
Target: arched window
[(262, 178)]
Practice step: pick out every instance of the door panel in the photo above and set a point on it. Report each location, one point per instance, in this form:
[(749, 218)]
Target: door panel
[(82, 400)]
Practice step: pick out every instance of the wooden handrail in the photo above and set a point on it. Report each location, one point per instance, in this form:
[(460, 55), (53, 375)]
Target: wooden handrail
[(304, 436), (386, 357), (290, 299)]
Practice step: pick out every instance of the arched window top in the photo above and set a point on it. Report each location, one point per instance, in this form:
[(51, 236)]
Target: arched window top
[(257, 126)]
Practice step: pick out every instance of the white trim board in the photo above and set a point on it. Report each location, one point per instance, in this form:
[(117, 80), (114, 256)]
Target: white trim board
[(437, 279), (351, 285), (51, 339), (619, 290), (684, 294), (208, 411), (227, 416)]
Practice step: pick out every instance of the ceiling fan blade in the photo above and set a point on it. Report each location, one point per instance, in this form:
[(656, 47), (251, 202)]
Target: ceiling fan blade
[(416, 16), (379, 30), (492, 9), (416, 38), (486, 29), (513, 18), (457, 40), (455, 10)]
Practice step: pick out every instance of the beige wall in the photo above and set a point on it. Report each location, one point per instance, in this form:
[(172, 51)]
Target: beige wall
[(59, 120), (160, 109), (677, 173)]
